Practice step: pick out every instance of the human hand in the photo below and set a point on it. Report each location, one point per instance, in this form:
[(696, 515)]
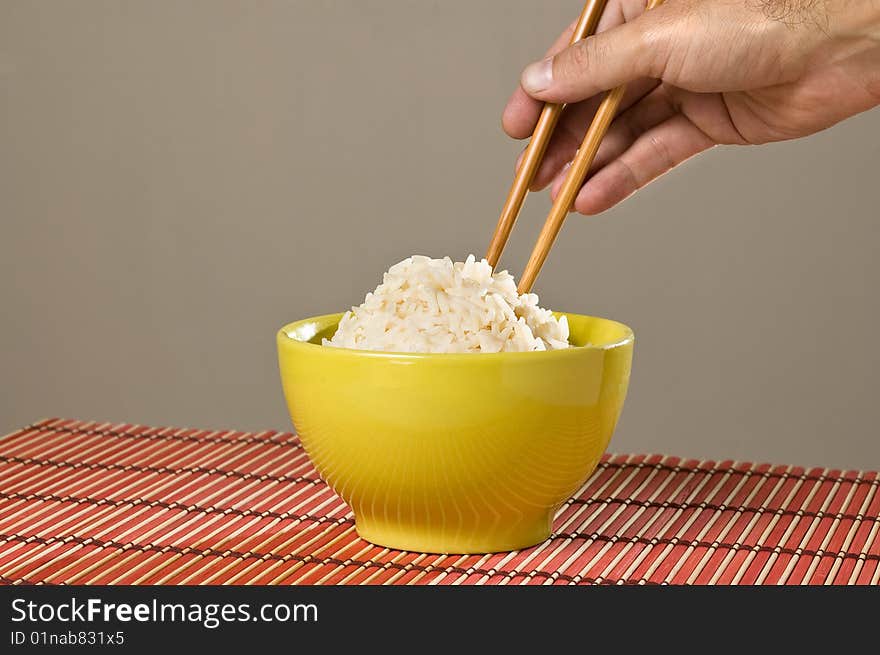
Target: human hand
[(699, 73)]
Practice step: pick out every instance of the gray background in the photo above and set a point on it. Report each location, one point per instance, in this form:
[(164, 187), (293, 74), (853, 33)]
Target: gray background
[(179, 179)]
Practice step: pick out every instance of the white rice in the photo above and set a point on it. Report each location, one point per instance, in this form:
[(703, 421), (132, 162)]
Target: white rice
[(436, 306)]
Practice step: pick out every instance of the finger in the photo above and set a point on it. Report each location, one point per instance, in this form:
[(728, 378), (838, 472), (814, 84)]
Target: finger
[(651, 110), (618, 12), (521, 115), (560, 151), (710, 113), (655, 152), (571, 129), (562, 147), (621, 54), (521, 112)]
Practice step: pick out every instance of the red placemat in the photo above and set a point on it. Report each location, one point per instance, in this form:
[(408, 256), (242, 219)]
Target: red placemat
[(89, 503)]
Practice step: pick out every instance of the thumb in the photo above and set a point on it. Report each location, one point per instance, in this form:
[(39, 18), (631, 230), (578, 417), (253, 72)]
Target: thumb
[(601, 62)]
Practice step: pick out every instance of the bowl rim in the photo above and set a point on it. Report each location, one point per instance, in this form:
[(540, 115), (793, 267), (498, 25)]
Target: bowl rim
[(283, 336)]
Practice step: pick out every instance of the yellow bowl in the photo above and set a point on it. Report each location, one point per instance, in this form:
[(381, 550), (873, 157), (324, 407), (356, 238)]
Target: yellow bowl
[(455, 453)]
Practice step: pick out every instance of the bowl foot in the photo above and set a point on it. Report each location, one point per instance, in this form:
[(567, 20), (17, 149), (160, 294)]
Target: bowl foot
[(448, 540)]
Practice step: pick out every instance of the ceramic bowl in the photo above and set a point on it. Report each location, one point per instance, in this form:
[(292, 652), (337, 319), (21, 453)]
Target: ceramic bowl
[(455, 453)]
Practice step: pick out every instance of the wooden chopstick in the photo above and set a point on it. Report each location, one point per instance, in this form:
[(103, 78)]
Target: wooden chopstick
[(534, 152), (574, 180)]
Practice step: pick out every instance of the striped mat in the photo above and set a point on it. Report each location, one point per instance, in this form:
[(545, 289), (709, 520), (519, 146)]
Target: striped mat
[(95, 503)]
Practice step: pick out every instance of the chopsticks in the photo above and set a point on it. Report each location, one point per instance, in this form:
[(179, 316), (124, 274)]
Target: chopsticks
[(534, 152), (574, 179)]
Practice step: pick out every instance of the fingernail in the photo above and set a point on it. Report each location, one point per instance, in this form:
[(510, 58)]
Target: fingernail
[(538, 76), (563, 172), (556, 184)]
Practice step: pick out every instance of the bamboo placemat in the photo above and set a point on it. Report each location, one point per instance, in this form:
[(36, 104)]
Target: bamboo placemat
[(89, 503)]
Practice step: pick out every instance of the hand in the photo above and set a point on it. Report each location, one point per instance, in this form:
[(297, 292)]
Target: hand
[(699, 73)]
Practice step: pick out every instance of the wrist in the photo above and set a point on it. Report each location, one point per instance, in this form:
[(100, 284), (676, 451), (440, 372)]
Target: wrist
[(854, 32), (853, 19)]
